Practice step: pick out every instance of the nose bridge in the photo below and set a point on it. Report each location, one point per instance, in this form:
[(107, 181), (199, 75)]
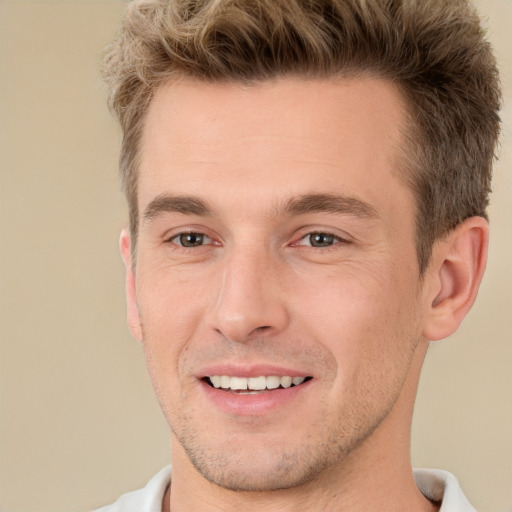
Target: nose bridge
[(249, 301), (242, 274)]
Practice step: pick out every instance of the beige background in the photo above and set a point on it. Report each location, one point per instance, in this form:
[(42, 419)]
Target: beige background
[(79, 424)]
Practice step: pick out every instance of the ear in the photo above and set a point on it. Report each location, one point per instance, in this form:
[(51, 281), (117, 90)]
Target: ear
[(454, 276), (131, 297)]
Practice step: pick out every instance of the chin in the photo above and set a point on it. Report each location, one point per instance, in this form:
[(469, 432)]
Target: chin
[(264, 467), (258, 473)]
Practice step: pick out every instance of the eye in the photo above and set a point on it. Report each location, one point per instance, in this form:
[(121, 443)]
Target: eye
[(189, 240), (319, 239)]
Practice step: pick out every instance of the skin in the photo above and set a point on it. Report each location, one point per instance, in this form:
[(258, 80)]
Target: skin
[(354, 313)]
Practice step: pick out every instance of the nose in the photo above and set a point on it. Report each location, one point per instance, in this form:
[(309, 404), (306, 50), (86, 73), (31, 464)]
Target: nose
[(250, 301)]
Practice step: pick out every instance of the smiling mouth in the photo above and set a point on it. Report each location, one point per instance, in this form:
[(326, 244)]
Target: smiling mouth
[(253, 385)]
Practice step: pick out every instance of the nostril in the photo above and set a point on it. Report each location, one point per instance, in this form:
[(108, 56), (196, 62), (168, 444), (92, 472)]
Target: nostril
[(262, 329)]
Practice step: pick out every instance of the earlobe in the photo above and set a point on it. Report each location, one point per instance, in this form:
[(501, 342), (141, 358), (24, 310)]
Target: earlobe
[(456, 270), (131, 297)]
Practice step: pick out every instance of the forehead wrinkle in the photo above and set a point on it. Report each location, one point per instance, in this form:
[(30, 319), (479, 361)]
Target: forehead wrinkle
[(326, 203)]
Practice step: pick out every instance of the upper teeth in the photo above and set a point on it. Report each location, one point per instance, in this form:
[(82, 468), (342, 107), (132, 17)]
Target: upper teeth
[(254, 383)]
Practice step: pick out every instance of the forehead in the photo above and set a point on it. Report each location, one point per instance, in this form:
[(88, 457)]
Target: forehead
[(290, 136)]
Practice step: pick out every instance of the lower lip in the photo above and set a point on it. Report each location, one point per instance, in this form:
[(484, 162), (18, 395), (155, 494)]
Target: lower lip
[(252, 404)]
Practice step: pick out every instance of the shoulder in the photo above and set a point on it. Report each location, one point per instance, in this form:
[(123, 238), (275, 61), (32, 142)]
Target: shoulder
[(442, 486), (147, 499)]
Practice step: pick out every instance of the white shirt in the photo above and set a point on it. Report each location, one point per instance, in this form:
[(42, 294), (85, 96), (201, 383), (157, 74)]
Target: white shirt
[(435, 484)]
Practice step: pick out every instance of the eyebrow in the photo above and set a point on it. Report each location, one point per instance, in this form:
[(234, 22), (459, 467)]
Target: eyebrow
[(187, 205), (300, 205), (328, 203)]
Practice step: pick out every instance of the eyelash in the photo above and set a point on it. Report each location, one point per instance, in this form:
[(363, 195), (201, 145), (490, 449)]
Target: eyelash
[(184, 233), (336, 240)]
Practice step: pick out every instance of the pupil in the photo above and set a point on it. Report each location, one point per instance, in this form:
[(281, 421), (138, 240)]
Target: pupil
[(321, 239), (191, 239)]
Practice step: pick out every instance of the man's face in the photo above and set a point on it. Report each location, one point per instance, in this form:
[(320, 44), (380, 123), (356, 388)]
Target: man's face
[(276, 241)]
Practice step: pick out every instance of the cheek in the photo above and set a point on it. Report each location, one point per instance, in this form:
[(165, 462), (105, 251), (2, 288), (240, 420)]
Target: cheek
[(170, 300), (347, 300), (364, 317), (171, 305)]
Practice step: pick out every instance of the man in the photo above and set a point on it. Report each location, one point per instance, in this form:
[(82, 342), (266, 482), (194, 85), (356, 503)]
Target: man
[(307, 185)]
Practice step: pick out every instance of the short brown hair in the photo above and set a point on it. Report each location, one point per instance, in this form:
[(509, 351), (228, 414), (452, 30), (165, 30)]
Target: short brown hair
[(435, 51)]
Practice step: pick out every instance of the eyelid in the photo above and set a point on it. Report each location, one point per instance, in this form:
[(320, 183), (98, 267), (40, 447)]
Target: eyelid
[(343, 238), (170, 236), (336, 241), (178, 235)]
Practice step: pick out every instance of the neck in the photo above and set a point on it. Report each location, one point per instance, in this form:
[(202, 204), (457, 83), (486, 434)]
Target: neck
[(377, 475)]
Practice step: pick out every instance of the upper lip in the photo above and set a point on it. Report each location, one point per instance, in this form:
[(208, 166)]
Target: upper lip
[(252, 370)]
